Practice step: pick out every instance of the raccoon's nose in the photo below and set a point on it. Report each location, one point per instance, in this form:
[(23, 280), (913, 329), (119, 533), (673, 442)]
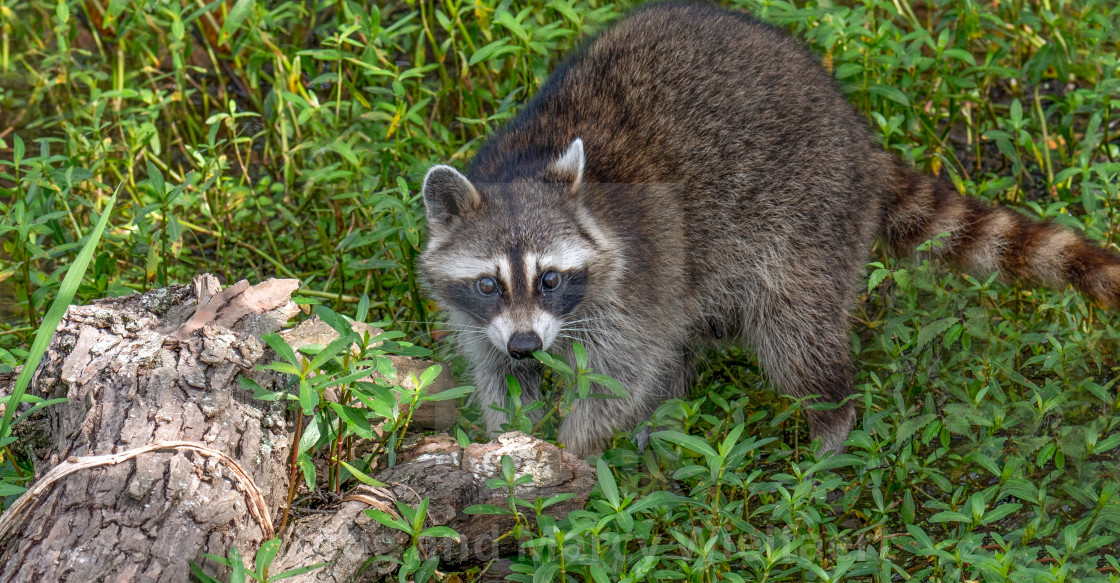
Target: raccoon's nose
[(522, 345)]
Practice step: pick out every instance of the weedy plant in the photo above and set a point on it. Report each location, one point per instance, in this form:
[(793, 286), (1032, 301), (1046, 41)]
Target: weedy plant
[(261, 561), (289, 138), (414, 565), (345, 391)]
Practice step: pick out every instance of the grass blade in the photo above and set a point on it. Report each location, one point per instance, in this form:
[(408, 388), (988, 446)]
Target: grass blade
[(51, 321)]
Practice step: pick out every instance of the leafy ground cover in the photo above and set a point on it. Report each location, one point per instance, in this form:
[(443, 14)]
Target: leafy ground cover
[(254, 139)]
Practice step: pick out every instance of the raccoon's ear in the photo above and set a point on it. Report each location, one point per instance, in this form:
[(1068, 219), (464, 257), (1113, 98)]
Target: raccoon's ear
[(447, 193), (569, 167)]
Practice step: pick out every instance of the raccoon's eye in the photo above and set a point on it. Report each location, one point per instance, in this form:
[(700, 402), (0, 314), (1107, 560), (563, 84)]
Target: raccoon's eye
[(487, 286), (550, 280)]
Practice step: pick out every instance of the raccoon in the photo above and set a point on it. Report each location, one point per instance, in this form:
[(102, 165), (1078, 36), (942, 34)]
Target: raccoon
[(694, 176)]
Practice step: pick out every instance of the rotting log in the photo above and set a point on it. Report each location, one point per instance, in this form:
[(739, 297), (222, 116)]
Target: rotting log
[(159, 455)]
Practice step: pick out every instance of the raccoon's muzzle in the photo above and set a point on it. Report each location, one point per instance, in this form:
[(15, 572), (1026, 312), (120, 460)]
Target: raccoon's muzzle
[(523, 345)]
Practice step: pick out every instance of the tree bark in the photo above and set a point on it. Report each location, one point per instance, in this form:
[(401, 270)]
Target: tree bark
[(158, 455)]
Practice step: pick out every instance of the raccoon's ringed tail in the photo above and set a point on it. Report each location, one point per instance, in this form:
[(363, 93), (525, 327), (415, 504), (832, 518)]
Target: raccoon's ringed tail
[(984, 239)]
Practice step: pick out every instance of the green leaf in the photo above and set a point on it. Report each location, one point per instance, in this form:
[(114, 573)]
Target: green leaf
[(1016, 112), (308, 468), (202, 576), (1000, 512), (220, 560), (343, 149), (581, 355), (429, 375), (266, 553), (611, 384), (495, 49), (238, 565), (607, 483), (686, 441), (507, 20), (961, 55), (449, 394), (1107, 444), (17, 150), (308, 397), (655, 499), (554, 363), (363, 309), (876, 278), (556, 499), (281, 367), (362, 476), (902, 278), (340, 344), (1015, 376), (389, 520), (73, 278), (598, 574), (355, 418), (311, 434), (421, 513), (334, 320), (235, 17), (440, 532), (461, 437), (354, 376), (545, 573), (7, 489), (950, 516), (281, 348), (891, 93), (846, 70), (485, 509), (934, 329), (565, 9), (156, 178)]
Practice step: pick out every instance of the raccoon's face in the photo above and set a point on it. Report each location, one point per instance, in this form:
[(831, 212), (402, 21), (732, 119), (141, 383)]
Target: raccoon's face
[(516, 260)]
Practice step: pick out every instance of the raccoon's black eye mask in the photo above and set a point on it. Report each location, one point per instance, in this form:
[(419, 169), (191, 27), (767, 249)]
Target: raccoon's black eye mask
[(566, 291), (469, 296)]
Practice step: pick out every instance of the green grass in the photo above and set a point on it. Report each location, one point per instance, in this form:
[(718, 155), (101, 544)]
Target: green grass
[(256, 139)]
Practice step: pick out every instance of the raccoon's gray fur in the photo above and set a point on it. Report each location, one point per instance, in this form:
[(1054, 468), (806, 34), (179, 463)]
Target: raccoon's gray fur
[(692, 176)]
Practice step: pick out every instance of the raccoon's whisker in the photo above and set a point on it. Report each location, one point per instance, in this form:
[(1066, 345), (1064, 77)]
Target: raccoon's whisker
[(581, 321), (461, 327), (439, 324), (470, 332)]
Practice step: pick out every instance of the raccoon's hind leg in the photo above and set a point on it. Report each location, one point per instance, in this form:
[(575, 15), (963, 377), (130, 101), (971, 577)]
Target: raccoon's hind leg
[(804, 350)]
